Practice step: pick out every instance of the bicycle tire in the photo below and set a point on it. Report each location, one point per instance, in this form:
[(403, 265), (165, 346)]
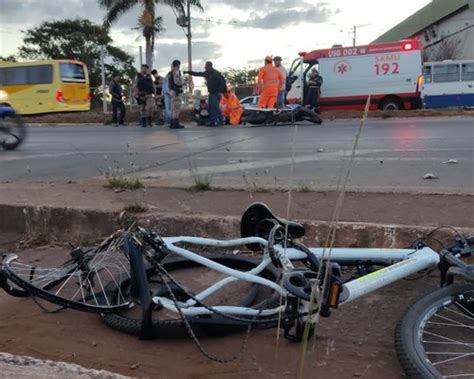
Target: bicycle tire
[(306, 114), (412, 327), (19, 135), (202, 326), (69, 285)]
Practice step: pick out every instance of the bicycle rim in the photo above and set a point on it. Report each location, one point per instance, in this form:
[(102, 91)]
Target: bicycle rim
[(194, 278), (90, 283), (441, 335)]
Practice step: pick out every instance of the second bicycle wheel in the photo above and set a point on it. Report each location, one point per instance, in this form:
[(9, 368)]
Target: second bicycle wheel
[(194, 278), (435, 338), (89, 281)]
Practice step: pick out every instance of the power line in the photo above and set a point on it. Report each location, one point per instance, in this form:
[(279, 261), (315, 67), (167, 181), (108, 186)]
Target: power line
[(230, 23)]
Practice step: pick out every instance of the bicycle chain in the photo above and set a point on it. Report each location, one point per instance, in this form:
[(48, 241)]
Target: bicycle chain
[(188, 327)]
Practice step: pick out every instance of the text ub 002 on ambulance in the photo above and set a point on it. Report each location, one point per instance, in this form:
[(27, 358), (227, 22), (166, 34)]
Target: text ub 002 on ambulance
[(389, 72)]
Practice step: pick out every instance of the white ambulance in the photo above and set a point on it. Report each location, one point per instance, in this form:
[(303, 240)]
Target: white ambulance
[(390, 72)]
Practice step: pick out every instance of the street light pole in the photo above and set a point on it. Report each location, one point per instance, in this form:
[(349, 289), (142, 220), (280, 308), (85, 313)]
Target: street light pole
[(189, 36), (354, 36)]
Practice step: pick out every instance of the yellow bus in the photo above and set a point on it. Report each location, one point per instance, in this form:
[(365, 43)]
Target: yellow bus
[(46, 86)]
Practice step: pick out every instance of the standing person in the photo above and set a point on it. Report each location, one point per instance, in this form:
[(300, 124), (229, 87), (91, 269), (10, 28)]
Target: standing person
[(315, 82), (215, 86), (116, 91), (175, 83), (282, 93), (269, 82), (144, 89), (167, 98), (158, 80)]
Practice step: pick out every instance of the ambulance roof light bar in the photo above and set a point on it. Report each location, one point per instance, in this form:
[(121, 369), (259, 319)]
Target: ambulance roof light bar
[(408, 46)]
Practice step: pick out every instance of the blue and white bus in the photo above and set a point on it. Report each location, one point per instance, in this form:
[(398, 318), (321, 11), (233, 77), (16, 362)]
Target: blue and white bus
[(448, 84)]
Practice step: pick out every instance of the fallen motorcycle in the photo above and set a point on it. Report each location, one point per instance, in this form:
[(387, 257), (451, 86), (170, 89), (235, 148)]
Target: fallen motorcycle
[(289, 115), (12, 128)]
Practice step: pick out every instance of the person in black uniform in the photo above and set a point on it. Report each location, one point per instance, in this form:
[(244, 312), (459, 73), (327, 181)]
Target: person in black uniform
[(144, 89), (116, 91), (314, 84)]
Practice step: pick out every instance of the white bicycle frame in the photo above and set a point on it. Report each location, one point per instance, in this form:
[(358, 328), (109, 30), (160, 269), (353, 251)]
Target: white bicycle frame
[(402, 263)]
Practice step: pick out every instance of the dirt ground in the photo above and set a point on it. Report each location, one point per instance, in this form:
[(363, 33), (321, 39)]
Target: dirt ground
[(356, 341), (98, 117)]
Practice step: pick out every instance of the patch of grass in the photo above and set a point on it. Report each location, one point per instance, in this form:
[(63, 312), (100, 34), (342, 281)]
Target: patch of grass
[(118, 181), (201, 183), (135, 207), (37, 227), (303, 187)]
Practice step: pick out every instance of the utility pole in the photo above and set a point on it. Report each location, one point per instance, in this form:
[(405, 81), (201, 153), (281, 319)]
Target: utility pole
[(184, 20), (354, 36), (140, 54), (104, 87), (189, 36)]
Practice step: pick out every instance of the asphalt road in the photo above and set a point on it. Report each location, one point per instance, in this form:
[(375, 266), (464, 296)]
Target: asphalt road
[(392, 154)]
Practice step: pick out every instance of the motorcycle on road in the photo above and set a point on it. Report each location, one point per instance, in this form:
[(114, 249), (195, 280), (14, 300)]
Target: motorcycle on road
[(12, 128)]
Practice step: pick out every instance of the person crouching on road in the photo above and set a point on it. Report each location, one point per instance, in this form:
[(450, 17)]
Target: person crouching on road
[(116, 91), (176, 83), (270, 81), (231, 107), (215, 86), (144, 89)]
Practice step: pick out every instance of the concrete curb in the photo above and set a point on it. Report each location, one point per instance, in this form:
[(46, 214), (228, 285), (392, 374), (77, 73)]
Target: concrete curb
[(72, 224), (16, 366)]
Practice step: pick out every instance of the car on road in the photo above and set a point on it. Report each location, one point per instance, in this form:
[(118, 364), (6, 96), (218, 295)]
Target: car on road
[(249, 101)]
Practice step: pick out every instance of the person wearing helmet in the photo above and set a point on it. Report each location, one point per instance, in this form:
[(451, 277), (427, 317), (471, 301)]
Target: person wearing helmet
[(231, 107), (270, 81)]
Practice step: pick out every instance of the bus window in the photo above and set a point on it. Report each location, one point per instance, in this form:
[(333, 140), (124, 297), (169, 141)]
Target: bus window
[(72, 72), (467, 72), (40, 74), (446, 73), (14, 76), (427, 78)]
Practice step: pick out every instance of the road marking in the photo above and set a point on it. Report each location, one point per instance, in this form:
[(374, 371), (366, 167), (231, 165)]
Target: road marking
[(272, 163)]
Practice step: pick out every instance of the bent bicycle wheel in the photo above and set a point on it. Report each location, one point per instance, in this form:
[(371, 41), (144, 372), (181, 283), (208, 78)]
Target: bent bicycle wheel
[(435, 338), (194, 278), (89, 282)]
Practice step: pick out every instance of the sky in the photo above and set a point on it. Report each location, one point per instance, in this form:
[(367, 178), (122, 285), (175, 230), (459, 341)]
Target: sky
[(231, 33)]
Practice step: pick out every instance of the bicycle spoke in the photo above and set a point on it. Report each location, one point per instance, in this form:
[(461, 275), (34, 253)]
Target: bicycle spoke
[(460, 356)]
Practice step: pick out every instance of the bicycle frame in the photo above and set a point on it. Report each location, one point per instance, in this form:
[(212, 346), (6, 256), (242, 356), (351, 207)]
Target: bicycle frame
[(402, 263)]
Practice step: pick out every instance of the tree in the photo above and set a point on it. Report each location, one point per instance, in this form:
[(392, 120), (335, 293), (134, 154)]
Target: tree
[(243, 76), (448, 48), (149, 23), (81, 40), (9, 58)]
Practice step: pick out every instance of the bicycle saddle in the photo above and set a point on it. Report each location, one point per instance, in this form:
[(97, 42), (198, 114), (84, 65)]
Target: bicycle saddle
[(256, 222)]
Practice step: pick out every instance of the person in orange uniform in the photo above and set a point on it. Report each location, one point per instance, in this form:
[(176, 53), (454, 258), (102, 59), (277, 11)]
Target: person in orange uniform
[(270, 81), (231, 107)]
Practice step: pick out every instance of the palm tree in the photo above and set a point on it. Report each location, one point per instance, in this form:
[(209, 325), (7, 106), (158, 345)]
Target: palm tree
[(149, 24)]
